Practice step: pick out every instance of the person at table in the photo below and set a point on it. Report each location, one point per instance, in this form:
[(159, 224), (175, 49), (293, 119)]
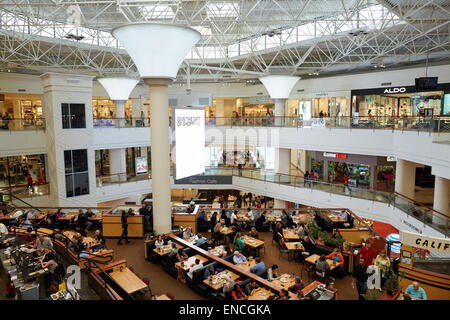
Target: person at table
[(323, 266), (201, 239), (284, 219), (284, 294), (253, 233), (258, 267), (130, 212), (384, 264), (181, 256), (298, 296), (159, 242), (59, 214), (228, 286), (343, 215), (197, 265), (237, 293), (77, 246), (233, 217), (251, 287), (226, 252), (41, 243), (212, 222), (416, 292), (238, 257), (309, 247), (261, 221), (24, 222), (3, 230), (368, 253), (201, 220), (360, 277), (277, 231), (49, 259), (298, 285), (216, 230), (301, 230), (239, 242), (83, 220), (272, 272), (31, 214), (337, 257), (187, 233), (173, 249), (209, 272), (98, 237), (47, 222)]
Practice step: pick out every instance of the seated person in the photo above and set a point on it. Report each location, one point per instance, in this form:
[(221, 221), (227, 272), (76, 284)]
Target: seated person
[(59, 214), (253, 233), (298, 285), (301, 231), (343, 215), (322, 265), (416, 292), (209, 271), (197, 265), (99, 237), (237, 293), (238, 257), (298, 296), (187, 233), (228, 286), (251, 287), (258, 267), (173, 249), (41, 243), (284, 294), (79, 247), (3, 230), (226, 252), (239, 242), (49, 259), (47, 222), (272, 272), (159, 242), (200, 239), (337, 257), (309, 247)]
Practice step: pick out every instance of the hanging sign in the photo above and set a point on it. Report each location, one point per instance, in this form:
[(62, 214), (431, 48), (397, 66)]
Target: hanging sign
[(425, 242)]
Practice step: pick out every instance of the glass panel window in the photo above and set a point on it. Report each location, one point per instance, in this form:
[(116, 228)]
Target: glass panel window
[(77, 174), (73, 115)]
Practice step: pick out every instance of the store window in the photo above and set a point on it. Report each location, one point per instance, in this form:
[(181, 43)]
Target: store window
[(73, 115), (77, 174)]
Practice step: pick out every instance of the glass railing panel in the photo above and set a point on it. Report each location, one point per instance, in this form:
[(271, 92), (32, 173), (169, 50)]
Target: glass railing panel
[(22, 124)]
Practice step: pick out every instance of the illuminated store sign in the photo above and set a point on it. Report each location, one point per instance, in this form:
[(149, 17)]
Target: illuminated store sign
[(395, 90), (334, 155)]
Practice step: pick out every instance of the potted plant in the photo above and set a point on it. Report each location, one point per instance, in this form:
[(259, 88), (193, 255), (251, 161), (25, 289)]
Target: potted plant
[(372, 294), (392, 282)]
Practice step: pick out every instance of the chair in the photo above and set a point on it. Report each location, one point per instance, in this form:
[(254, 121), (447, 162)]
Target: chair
[(308, 268), (283, 249), (171, 297), (275, 237)]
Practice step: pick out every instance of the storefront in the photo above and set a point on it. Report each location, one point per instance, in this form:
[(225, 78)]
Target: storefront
[(319, 107), (22, 106), (399, 101), (104, 108), (256, 107), (14, 170), (362, 170)]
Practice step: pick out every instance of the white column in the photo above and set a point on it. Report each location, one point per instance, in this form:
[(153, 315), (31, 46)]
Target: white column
[(405, 178), (279, 204), (441, 195), (279, 107), (120, 112), (159, 124), (283, 160), (118, 164)]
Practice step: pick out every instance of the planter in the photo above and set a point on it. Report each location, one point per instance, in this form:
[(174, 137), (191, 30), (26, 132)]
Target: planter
[(390, 292)]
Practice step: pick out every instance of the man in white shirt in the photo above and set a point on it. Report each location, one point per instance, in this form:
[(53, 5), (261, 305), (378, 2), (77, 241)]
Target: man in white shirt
[(233, 217), (238, 257), (17, 214), (272, 272), (3, 230), (198, 265)]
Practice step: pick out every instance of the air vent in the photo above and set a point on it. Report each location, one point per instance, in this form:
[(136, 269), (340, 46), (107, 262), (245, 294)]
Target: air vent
[(301, 90), (226, 76), (22, 90), (173, 102), (204, 101), (260, 93), (386, 84)]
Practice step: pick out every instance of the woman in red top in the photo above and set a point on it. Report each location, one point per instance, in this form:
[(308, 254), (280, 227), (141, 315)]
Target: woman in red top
[(237, 293)]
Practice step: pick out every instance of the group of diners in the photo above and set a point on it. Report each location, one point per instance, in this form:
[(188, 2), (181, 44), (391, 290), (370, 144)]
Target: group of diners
[(214, 279), (83, 220)]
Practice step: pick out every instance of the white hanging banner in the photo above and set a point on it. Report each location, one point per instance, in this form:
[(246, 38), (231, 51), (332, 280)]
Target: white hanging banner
[(424, 242)]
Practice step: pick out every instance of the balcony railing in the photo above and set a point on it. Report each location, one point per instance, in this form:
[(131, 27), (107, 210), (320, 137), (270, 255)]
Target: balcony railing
[(22, 124), (427, 124), (428, 216), (22, 191)]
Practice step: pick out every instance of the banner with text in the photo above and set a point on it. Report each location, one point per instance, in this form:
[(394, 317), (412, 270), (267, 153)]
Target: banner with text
[(424, 242)]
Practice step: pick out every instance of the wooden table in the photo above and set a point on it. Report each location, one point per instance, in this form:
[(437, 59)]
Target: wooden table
[(333, 217), (314, 257), (271, 217), (39, 216), (302, 218), (163, 297), (260, 294), (313, 285), (217, 251), (252, 242), (219, 280), (186, 264), (166, 249), (294, 246), (69, 216), (226, 231), (290, 234), (128, 280), (289, 281), (8, 216), (96, 217), (246, 265), (243, 218), (88, 241)]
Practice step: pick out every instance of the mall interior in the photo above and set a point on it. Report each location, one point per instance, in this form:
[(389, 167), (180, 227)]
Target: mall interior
[(246, 150)]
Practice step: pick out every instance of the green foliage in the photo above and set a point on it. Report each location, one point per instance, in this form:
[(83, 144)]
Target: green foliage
[(393, 280), (316, 232), (313, 228), (373, 294)]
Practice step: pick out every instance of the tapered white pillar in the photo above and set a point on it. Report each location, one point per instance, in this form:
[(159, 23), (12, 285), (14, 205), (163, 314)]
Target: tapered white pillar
[(441, 198), (279, 113), (405, 178), (160, 155), (158, 50), (120, 112), (282, 160)]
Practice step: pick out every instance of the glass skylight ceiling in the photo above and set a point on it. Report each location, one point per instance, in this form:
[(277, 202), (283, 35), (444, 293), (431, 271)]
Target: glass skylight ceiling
[(371, 18)]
